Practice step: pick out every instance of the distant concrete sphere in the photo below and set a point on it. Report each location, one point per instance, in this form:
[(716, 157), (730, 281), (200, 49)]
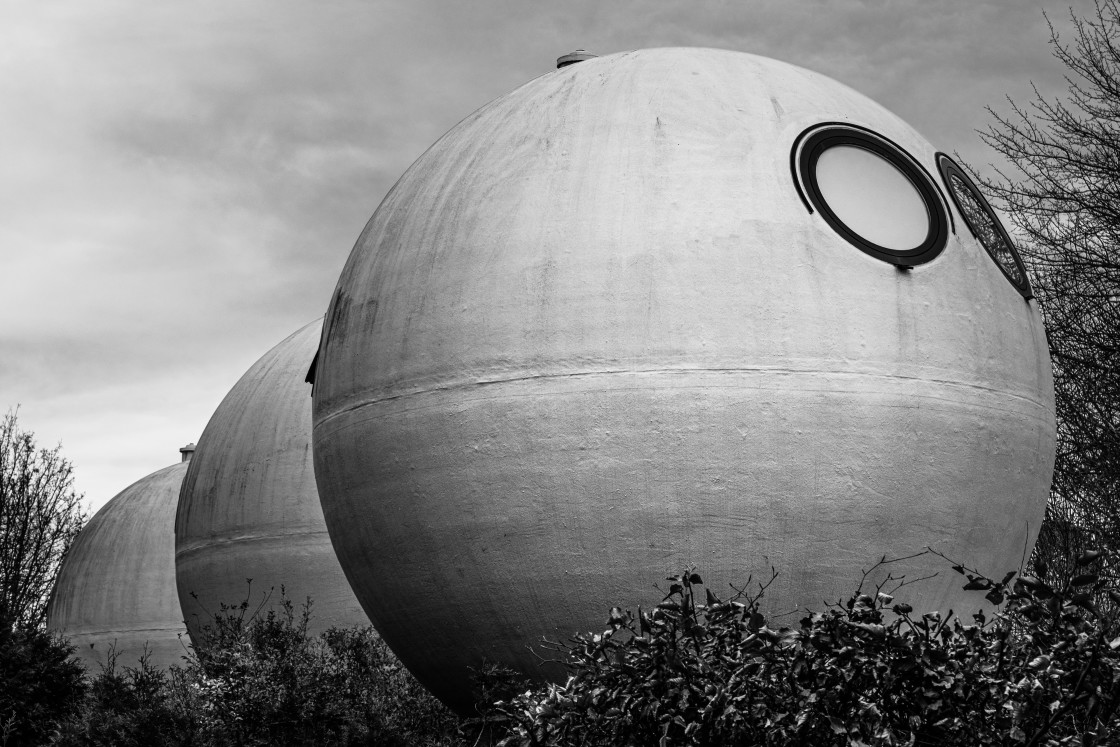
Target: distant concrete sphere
[(594, 335), (116, 587), (249, 509)]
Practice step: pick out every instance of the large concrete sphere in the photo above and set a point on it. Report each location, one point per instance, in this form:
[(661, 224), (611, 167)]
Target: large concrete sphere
[(116, 587), (593, 336), (249, 507)]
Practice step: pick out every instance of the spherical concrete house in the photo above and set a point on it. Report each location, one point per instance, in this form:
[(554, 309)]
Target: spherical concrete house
[(249, 509), (664, 309), (116, 587)]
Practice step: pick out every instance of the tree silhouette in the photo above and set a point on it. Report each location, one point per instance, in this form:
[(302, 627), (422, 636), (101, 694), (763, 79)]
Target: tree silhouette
[(40, 514), (1063, 195)]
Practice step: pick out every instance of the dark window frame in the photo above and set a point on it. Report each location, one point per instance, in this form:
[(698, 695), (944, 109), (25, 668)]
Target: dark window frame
[(950, 170), (814, 141)]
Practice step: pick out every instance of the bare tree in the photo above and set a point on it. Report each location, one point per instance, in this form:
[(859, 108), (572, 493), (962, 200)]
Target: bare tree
[(40, 514), (1063, 195)]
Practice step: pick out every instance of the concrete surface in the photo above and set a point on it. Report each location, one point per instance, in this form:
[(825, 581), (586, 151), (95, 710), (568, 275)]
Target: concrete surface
[(117, 585), (249, 508)]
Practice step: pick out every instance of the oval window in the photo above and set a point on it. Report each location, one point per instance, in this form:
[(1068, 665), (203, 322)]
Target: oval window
[(872, 193), (872, 197), (984, 224)]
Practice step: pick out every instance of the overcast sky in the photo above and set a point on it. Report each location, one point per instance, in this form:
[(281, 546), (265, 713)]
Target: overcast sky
[(180, 183)]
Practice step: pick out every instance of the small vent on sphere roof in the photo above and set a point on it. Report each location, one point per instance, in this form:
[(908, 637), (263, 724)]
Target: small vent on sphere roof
[(572, 58)]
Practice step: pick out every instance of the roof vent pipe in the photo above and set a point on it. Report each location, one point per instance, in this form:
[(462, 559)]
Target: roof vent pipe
[(572, 58), (187, 452)]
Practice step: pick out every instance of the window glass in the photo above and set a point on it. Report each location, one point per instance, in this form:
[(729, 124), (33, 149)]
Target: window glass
[(985, 229), (872, 197), (984, 225)]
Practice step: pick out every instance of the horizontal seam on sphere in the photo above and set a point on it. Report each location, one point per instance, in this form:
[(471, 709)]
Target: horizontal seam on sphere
[(468, 385), (194, 546), (71, 632)]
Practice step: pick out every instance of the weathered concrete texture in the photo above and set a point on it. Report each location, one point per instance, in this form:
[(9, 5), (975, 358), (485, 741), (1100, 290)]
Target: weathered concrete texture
[(117, 585), (249, 507), (593, 336)]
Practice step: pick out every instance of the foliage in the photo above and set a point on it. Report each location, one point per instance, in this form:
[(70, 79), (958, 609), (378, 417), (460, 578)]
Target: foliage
[(132, 707), (259, 678), (40, 514), (263, 680), (1063, 196), (41, 685), (1044, 670)]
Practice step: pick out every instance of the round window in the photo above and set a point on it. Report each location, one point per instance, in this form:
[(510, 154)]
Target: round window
[(872, 193), (984, 224)]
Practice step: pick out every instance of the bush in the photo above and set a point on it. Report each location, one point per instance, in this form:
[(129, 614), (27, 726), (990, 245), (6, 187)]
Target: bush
[(263, 680), (41, 685), (259, 678), (132, 707), (1044, 670)]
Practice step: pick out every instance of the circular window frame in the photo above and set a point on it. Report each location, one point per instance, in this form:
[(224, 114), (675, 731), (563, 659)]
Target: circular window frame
[(813, 142), (949, 169)]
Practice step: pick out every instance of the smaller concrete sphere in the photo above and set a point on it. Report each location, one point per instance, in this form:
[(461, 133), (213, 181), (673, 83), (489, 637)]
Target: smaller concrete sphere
[(116, 587), (249, 508)]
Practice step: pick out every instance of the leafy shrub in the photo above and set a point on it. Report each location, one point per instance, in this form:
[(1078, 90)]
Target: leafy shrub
[(1044, 670), (41, 684), (259, 678), (132, 707), (264, 680)]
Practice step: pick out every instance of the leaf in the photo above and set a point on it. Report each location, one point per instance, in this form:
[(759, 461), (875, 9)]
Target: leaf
[(977, 584), (1039, 588), (1083, 599), (1088, 557), (712, 599), (902, 608), (876, 630), (695, 579), (1085, 579), (995, 596), (1039, 662), (837, 725)]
